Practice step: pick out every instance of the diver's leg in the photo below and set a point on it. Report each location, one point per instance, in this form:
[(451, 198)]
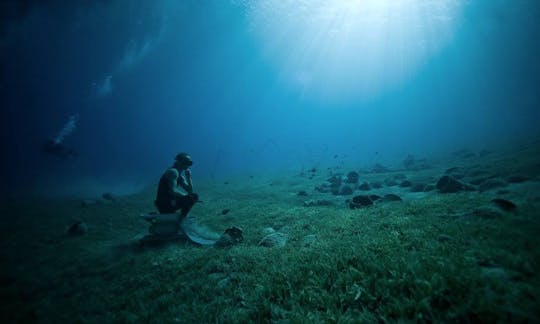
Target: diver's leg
[(185, 203)]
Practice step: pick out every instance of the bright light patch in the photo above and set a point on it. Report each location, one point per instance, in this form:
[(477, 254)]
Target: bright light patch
[(350, 49)]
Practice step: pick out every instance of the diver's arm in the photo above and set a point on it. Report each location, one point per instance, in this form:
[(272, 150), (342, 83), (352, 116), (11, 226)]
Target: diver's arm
[(188, 184), (173, 177)]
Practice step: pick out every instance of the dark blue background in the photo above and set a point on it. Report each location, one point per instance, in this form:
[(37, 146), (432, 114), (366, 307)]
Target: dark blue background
[(206, 88)]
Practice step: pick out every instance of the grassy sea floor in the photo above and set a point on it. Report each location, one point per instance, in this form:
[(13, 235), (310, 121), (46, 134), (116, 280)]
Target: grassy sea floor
[(432, 257)]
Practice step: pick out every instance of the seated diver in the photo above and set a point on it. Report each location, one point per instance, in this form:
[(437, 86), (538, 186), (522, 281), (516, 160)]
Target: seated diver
[(175, 193), (175, 189)]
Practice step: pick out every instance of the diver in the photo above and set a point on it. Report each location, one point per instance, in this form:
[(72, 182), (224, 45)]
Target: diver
[(56, 145), (175, 189)]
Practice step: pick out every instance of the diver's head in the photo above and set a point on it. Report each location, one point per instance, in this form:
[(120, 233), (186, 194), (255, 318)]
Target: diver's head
[(182, 161)]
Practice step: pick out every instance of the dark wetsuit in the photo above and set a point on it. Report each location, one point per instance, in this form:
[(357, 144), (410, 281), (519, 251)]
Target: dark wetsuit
[(170, 196)]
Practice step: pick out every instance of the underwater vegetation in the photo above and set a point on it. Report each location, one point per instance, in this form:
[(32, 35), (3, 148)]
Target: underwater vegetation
[(380, 254)]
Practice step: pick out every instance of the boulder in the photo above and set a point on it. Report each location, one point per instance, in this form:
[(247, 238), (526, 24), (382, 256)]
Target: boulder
[(78, 228), (379, 168), (376, 185), (360, 201), (352, 177), (232, 235), (517, 178), (400, 176), (448, 184), (504, 204), (405, 184), (390, 182), (364, 187)]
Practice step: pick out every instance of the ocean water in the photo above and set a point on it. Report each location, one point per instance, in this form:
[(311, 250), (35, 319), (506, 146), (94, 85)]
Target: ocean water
[(247, 86), (275, 101)]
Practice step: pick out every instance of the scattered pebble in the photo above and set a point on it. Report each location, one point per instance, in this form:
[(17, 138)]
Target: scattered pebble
[(309, 240), (77, 229), (108, 196), (445, 238), (320, 202), (504, 204), (276, 239)]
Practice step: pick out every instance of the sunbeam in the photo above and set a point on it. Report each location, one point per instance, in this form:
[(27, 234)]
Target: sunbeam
[(351, 49)]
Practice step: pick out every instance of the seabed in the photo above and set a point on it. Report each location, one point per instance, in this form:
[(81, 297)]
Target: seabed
[(433, 257)]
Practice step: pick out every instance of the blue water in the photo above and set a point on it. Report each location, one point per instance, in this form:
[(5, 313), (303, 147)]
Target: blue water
[(257, 87)]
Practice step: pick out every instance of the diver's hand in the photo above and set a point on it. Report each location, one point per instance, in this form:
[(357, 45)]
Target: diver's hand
[(194, 197), (187, 172)]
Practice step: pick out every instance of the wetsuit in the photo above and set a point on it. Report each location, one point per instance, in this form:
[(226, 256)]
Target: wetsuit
[(175, 192)]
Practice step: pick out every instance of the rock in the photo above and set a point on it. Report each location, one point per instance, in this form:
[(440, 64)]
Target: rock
[(345, 190), (504, 204), (374, 197), (267, 230), (491, 184), (476, 172), (391, 197), (324, 188), (225, 211), (405, 184), (418, 187), (445, 238), (400, 176), (448, 184), (77, 229), (352, 177), (308, 240), (376, 185), (360, 201), (276, 239), (409, 162), (364, 187), (335, 181), (233, 235), (88, 202), (108, 196), (390, 182), (517, 178), (314, 203), (429, 187), (378, 168), (302, 193)]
